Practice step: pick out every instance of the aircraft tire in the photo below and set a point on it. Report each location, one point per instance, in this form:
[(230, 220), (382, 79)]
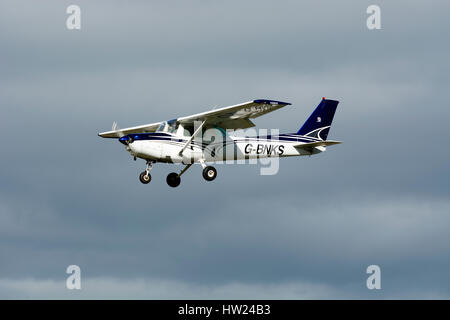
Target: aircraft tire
[(173, 179), (144, 177), (209, 173)]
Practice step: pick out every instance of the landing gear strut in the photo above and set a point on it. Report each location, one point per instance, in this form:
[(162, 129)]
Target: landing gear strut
[(145, 176), (174, 179)]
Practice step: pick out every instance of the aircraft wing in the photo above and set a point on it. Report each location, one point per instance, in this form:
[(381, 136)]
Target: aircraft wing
[(138, 129), (232, 117), (237, 116)]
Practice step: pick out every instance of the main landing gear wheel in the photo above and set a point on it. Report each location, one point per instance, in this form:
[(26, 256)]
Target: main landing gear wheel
[(209, 173), (173, 179), (145, 177)]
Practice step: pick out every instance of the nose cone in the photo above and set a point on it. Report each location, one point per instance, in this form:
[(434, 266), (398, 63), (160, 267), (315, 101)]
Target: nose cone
[(126, 140)]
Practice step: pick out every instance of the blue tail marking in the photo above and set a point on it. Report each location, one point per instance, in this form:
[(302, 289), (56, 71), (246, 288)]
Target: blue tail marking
[(319, 122)]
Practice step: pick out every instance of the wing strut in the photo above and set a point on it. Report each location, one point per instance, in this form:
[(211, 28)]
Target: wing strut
[(192, 137)]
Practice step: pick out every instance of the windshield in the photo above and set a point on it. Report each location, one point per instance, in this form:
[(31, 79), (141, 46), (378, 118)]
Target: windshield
[(170, 127), (161, 127)]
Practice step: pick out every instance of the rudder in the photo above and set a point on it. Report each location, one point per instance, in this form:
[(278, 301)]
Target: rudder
[(319, 122)]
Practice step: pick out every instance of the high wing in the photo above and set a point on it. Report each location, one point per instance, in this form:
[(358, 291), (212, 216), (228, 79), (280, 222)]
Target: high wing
[(237, 116), (232, 117)]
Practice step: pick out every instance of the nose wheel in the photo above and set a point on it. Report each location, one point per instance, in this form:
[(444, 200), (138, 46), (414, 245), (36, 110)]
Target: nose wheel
[(145, 176)]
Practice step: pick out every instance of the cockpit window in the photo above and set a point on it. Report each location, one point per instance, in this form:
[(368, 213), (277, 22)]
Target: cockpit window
[(172, 127), (162, 127)]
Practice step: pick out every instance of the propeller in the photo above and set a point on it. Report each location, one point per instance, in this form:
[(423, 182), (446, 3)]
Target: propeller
[(115, 127)]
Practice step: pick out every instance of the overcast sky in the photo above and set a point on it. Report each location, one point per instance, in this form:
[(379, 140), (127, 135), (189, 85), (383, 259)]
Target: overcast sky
[(310, 231)]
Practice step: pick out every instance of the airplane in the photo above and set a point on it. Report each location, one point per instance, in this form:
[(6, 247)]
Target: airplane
[(205, 137)]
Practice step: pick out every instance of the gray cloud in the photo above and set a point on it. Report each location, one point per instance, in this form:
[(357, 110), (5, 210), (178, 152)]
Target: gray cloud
[(144, 288)]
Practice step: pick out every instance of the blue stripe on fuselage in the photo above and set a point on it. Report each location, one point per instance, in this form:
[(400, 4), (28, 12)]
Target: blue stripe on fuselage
[(168, 137)]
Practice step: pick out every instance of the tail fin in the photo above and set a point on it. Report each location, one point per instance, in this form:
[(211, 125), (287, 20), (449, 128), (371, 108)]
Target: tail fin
[(319, 122)]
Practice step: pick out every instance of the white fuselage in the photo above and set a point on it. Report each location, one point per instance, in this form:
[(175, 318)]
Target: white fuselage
[(167, 148)]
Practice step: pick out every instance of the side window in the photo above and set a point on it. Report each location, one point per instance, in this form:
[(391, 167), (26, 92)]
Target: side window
[(188, 131), (172, 128)]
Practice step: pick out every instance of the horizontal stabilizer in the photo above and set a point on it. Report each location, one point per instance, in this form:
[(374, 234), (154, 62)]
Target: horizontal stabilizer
[(316, 144)]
